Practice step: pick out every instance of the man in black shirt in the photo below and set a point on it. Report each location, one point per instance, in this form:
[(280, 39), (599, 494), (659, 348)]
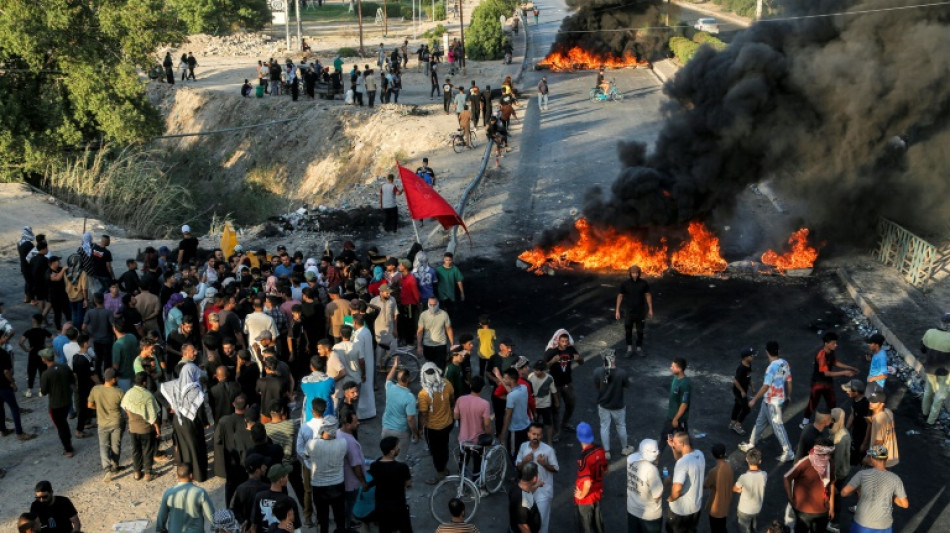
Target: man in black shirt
[(102, 263), (129, 281), (39, 269), (86, 379), (561, 357), (271, 386), (261, 511), (857, 422), (634, 304), (56, 383), (56, 513), (391, 477), (523, 513), (187, 247), (740, 390), (242, 503), (8, 396)]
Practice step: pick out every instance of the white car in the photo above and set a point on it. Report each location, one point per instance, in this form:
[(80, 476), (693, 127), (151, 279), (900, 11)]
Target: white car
[(708, 25)]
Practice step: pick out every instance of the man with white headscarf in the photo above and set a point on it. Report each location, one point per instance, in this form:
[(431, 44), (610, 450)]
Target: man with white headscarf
[(810, 487), (435, 416), (186, 400), (644, 489)]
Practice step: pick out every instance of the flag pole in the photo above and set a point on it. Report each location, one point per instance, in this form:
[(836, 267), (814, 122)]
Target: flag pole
[(416, 229)]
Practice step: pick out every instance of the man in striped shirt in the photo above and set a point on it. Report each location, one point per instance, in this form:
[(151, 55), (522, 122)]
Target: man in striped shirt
[(457, 525)]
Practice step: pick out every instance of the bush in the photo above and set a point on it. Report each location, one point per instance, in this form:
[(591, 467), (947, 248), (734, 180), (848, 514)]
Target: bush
[(222, 16), (702, 37), (406, 12), (485, 36), (346, 51), (745, 8), (434, 35), (128, 188), (683, 48), (393, 9), (439, 11)]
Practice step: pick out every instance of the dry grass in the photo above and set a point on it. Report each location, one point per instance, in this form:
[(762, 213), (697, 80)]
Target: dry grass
[(127, 187)]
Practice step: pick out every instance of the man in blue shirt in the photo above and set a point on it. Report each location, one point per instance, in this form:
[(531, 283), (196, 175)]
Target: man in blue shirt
[(514, 431), (184, 507), (877, 375), (285, 268), (399, 418), (317, 385)]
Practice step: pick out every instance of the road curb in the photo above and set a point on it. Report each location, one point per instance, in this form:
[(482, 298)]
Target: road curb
[(871, 312)]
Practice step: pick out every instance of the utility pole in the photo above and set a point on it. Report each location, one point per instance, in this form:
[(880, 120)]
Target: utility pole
[(359, 17), (299, 27), (385, 20), (462, 35), (287, 24), (758, 10), (414, 18)]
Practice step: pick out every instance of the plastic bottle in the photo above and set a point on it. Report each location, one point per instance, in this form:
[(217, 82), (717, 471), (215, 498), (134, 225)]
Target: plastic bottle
[(666, 472)]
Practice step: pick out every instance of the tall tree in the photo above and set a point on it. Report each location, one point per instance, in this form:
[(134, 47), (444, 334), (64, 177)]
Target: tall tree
[(222, 16), (70, 76)]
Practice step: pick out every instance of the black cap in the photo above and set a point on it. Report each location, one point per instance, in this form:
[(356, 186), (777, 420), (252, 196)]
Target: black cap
[(748, 352)]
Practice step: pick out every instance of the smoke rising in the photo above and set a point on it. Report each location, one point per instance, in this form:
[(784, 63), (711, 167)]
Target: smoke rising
[(847, 114), (591, 28)]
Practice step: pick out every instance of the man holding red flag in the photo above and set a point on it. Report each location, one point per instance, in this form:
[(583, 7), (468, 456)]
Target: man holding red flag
[(424, 202)]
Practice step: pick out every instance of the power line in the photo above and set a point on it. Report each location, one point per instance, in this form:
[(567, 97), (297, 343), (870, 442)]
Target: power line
[(778, 19)]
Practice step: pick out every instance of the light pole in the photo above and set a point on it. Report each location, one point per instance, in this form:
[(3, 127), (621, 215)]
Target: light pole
[(299, 28), (359, 18), (462, 35)]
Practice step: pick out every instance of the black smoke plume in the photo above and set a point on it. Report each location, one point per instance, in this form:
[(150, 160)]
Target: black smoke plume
[(847, 114), (593, 27)]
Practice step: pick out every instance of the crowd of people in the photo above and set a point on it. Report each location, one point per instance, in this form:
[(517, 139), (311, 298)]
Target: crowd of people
[(279, 354)]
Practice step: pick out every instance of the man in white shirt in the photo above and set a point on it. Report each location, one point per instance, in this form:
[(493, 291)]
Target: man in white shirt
[(257, 323), (535, 451), (644, 488), (326, 457), (387, 202), (686, 493), (363, 340), (347, 352)]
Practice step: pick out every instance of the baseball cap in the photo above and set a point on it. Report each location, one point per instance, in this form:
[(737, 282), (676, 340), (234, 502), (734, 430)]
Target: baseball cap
[(878, 397), (855, 385), (275, 472), (878, 451), (584, 433), (385, 288), (186, 229), (746, 352)]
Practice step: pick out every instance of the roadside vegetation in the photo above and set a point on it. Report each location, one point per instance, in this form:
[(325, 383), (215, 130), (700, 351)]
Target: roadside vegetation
[(485, 38), (684, 48)]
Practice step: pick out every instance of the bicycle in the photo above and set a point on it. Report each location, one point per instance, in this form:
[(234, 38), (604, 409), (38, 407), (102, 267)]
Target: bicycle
[(597, 94), (407, 359), (457, 140), (494, 467)]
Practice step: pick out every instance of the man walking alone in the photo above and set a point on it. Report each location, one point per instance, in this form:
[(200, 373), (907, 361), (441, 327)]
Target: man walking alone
[(610, 381), (776, 388)]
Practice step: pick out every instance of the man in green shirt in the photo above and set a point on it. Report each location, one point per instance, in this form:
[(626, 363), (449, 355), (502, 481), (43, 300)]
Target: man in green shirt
[(184, 507), (677, 412), (450, 278), (124, 351), (106, 399), (453, 371)]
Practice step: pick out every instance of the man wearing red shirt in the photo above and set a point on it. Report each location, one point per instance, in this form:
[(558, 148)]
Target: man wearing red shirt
[(826, 369), (408, 318), (589, 487)]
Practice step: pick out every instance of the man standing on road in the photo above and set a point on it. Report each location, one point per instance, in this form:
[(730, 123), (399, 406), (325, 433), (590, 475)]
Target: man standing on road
[(810, 488), (56, 383), (858, 415), (447, 95), (561, 356), (435, 329), (826, 369), (878, 491), (426, 173), (543, 94), (776, 388), (634, 305), (387, 203), (399, 418), (686, 491), (450, 279), (435, 417), (186, 506), (644, 489), (474, 416), (8, 388), (589, 487), (524, 516), (935, 347), (106, 400), (541, 454), (514, 430), (610, 381), (877, 375), (882, 431), (677, 411)]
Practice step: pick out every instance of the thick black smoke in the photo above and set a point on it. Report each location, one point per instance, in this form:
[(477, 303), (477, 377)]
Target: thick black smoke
[(848, 114), (593, 24)]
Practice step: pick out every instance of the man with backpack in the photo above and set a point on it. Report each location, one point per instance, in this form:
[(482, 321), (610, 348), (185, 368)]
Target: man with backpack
[(426, 173)]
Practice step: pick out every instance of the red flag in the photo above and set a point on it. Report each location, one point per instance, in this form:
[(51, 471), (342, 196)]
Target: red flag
[(424, 202)]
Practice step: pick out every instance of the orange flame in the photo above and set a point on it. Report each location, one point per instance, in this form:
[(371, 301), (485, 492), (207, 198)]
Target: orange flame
[(600, 249), (700, 255), (578, 58), (800, 256), (606, 249)]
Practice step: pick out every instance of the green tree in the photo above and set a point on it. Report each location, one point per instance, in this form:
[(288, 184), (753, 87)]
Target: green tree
[(222, 16), (69, 76), (484, 39)]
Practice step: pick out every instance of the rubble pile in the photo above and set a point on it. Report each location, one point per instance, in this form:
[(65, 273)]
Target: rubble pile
[(236, 44), (363, 219)]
